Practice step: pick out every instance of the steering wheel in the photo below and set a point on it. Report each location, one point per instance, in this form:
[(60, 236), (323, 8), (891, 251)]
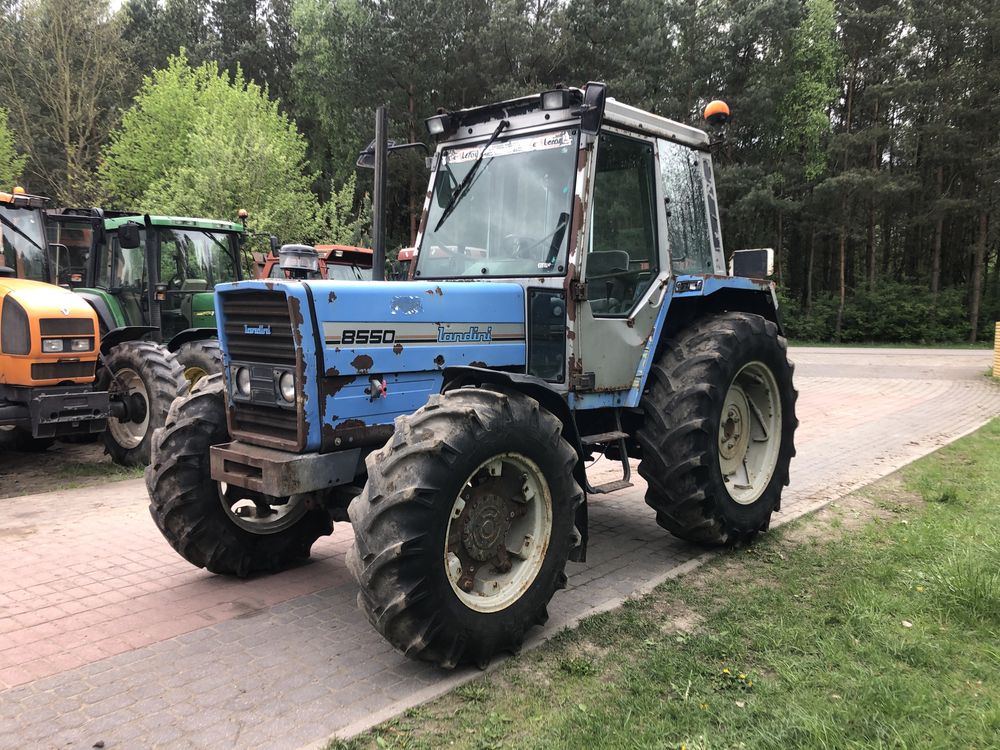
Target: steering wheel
[(175, 283)]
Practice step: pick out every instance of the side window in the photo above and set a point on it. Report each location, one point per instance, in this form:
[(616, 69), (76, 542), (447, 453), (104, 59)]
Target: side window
[(127, 267), (622, 255), (687, 218)]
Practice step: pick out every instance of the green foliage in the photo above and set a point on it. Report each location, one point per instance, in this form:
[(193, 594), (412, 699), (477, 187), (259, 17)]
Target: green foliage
[(11, 164), (891, 312), (806, 109), (339, 223), (198, 142)]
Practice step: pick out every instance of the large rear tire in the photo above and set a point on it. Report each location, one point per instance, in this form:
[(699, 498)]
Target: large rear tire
[(150, 378), (463, 530), (718, 429), (210, 525), (199, 359)]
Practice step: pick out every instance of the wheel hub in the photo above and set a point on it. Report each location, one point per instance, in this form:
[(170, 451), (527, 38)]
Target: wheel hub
[(487, 522), (498, 532), (734, 433)]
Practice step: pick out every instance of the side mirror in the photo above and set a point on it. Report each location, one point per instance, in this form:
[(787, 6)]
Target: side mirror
[(128, 235), (591, 112)]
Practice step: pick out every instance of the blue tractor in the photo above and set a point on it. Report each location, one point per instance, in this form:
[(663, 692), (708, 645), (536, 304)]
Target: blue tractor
[(569, 298)]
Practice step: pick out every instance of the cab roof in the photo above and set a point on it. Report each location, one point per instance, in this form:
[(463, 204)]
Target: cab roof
[(181, 222)]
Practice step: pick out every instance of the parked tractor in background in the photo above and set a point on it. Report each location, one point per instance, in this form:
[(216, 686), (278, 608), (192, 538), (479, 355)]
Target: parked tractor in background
[(150, 280), (341, 262), (49, 340), (569, 297), (160, 284)]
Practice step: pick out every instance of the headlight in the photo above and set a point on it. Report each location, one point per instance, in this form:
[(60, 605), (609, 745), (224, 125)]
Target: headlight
[(80, 345), (243, 380), (52, 345), (286, 386)]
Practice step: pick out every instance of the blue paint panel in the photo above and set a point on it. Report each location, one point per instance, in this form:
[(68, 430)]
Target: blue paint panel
[(406, 393), (484, 322), (432, 326)]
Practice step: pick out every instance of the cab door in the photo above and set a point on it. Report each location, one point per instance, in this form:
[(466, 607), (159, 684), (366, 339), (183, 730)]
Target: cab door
[(624, 265)]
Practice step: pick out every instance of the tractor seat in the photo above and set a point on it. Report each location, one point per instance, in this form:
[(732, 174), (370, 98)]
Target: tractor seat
[(194, 285)]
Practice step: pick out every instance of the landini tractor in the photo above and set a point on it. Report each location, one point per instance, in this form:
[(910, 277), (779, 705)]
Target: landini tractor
[(569, 297)]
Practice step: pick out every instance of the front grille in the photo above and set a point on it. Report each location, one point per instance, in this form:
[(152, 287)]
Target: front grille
[(258, 311), (262, 421), (61, 370), (67, 327)]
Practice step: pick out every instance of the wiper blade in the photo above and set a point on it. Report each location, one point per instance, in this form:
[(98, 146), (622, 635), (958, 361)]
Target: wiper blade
[(467, 180)]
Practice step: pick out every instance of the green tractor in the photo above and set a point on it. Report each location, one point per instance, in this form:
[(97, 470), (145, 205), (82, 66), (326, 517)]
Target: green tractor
[(151, 280)]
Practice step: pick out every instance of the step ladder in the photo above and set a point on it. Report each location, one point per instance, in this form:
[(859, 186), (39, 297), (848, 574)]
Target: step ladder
[(604, 439)]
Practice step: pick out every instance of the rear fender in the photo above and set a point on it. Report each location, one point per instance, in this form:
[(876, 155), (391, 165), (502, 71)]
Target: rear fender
[(542, 392)]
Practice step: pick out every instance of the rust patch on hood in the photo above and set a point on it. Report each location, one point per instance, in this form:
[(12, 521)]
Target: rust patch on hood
[(362, 363), (331, 386), (477, 363), (439, 360), (436, 290), (332, 372), (397, 349), (332, 297)]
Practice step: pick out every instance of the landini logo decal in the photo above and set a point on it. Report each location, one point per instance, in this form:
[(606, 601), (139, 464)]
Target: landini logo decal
[(473, 334), (257, 330)]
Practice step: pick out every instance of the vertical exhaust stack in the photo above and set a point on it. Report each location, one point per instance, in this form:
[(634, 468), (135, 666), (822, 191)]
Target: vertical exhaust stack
[(378, 199)]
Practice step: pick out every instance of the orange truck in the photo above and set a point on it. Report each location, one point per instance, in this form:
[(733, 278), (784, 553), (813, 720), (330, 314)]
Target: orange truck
[(49, 339)]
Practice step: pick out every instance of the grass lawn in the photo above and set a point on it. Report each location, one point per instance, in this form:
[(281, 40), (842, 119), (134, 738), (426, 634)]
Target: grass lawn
[(872, 624)]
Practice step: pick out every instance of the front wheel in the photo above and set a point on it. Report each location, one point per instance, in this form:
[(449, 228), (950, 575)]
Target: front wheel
[(145, 378), (718, 429), (463, 530), (213, 525)]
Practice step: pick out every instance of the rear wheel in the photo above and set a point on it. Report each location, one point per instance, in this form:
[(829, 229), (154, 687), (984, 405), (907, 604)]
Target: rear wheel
[(212, 525), (199, 359), (146, 378), (463, 530), (719, 423)]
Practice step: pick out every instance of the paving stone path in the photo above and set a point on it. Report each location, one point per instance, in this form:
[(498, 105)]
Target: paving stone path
[(106, 635)]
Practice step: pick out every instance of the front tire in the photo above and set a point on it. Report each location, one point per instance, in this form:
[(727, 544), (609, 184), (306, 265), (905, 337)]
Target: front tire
[(464, 528), (150, 378), (718, 429), (210, 525)]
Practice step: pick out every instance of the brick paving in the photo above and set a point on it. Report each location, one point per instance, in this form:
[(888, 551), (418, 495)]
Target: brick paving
[(107, 635)]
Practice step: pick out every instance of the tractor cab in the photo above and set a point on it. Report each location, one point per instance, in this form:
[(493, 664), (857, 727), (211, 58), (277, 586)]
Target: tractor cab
[(163, 278), (23, 244), (340, 262)]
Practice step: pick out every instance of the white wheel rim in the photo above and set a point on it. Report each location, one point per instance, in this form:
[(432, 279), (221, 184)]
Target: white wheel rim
[(498, 532), (259, 517), (750, 433), (129, 434)]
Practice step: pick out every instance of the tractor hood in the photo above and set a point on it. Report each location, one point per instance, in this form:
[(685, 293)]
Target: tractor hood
[(370, 351), (43, 300)]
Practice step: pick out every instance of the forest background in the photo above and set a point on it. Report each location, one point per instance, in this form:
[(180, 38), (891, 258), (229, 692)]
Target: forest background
[(864, 145)]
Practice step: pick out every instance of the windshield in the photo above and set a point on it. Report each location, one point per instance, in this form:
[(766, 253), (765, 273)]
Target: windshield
[(194, 260), (22, 232), (342, 272), (512, 219)]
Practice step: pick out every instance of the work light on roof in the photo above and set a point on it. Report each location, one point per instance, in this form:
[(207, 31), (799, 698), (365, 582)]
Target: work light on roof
[(442, 123), (558, 98)]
